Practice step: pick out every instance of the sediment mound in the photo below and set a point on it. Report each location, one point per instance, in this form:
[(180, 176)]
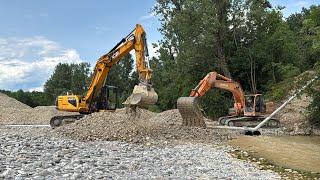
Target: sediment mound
[(294, 116), (37, 115), (15, 112), (143, 127), (8, 102)]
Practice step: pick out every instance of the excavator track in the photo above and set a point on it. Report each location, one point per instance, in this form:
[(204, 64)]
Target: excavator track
[(57, 121), (250, 122), (190, 111), (222, 120)]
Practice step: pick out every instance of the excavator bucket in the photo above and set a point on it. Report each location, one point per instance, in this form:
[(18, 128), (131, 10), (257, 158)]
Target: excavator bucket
[(142, 96), (190, 111)]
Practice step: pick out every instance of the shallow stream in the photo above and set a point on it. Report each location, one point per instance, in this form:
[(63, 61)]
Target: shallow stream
[(294, 152)]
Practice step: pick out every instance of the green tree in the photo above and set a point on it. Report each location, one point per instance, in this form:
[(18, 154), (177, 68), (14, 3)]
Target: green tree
[(39, 99), (264, 45), (71, 78), (80, 77), (31, 99), (193, 45), (259, 47), (123, 76), (23, 97), (311, 28)]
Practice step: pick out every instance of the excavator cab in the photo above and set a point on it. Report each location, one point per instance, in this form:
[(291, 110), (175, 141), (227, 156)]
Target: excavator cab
[(260, 104), (249, 103), (107, 99), (255, 105)]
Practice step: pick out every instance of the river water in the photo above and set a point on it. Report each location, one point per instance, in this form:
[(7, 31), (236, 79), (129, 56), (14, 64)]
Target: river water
[(294, 152)]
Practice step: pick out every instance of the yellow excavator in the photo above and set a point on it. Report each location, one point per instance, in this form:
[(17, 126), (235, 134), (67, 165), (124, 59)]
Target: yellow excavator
[(248, 110), (99, 94)]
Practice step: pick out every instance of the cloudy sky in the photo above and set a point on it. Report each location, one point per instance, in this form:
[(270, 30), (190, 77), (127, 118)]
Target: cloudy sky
[(36, 35)]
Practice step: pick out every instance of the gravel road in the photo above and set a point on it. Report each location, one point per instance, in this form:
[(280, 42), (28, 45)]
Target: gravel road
[(34, 153)]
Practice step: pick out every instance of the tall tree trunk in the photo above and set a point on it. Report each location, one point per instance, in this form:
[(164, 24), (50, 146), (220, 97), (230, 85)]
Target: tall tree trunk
[(253, 75), (222, 18)]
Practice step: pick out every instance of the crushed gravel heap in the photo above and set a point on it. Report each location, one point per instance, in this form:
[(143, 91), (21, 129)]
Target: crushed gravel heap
[(37, 115), (146, 127), (294, 116), (15, 112), (8, 102)]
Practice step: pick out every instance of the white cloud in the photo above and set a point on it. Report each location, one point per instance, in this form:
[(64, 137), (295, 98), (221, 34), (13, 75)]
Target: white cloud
[(101, 29), (43, 14), (26, 63), (153, 50), (147, 17), (303, 3), (28, 16), (28, 48), (293, 6), (149, 21), (39, 89)]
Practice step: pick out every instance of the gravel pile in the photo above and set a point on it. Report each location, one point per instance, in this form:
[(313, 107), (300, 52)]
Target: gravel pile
[(8, 102), (16, 112), (146, 127), (170, 117), (37, 115), (293, 116), (26, 156)]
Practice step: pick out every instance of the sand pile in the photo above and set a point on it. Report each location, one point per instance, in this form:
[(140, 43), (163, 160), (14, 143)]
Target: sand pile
[(37, 115), (293, 117), (8, 102), (145, 127), (15, 112)]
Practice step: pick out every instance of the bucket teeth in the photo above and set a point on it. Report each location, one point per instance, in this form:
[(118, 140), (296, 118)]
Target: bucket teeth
[(190, 111)]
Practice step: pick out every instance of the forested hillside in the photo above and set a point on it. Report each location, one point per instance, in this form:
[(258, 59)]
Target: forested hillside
[(249, 41)]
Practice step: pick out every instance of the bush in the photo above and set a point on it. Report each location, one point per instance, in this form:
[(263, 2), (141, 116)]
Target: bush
[(154, 108), (314, 107), (314, 110)]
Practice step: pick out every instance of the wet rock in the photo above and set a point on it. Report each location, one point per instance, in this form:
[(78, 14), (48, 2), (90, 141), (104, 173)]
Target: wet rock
[(288, 170)]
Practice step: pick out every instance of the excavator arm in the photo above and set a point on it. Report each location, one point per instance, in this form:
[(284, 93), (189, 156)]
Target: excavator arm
[(225, 83), (143, 94), (189, 106), (192, 114)]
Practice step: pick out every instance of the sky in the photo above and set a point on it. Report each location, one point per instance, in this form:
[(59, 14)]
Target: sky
[(36, 35)]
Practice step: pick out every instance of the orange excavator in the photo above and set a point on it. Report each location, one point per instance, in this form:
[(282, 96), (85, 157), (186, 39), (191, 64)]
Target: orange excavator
[(98, 96), (248, 110)]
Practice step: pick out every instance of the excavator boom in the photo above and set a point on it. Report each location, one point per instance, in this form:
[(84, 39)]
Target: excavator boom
[(143, 93)]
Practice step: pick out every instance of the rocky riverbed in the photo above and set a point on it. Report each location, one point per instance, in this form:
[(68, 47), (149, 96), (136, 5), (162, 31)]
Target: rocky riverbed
[(36, 153)]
